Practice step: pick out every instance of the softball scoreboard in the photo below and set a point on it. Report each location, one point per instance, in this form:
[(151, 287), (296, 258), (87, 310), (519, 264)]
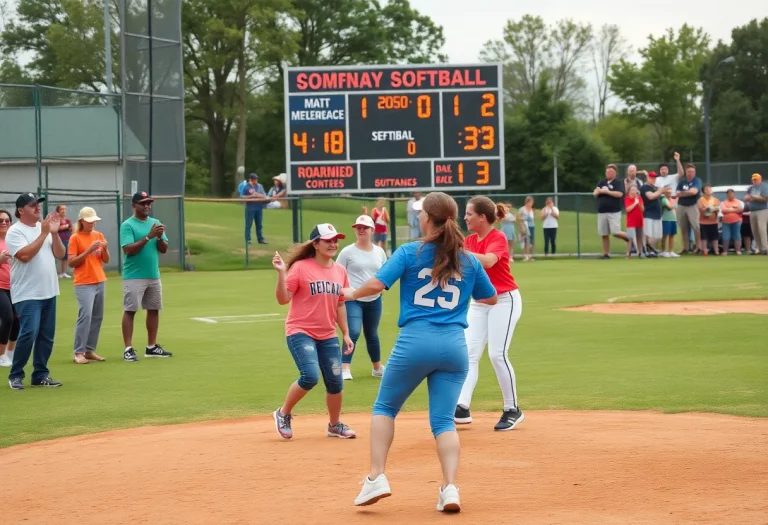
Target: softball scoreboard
[(370, 129)]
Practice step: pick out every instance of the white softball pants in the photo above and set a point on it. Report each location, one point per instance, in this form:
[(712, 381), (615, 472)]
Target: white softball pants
[(494, 326)]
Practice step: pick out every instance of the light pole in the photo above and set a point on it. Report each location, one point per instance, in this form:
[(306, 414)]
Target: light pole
[(706, 115)]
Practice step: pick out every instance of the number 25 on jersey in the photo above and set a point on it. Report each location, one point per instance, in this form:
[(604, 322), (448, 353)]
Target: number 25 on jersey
[(448, 302)]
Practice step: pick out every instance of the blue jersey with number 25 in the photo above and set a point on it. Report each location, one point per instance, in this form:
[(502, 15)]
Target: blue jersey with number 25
[(420, 298)]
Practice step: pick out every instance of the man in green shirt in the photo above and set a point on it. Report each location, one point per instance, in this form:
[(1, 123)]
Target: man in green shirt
[(142, 239)]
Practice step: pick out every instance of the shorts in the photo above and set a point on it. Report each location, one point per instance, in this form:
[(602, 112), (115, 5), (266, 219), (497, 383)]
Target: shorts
[(508, 229), (148, 292), (746, 227), (380, 237), (652, 228), (709, 233), (66, 250), (669, 228), (608, 223), (687, 218), (731, 232)]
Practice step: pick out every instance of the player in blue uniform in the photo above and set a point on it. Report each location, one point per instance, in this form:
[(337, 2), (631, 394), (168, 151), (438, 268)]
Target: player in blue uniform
[(437, 278)]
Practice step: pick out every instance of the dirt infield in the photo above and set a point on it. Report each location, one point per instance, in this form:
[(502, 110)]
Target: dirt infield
[(676, 308), (557, 467)]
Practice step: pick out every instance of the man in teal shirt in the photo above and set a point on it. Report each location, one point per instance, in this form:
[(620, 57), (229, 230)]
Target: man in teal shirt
[(142, 239)]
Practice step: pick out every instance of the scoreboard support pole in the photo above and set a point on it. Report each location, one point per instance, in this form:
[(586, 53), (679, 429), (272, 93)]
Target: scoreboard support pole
[(393, 227), (295, 216)]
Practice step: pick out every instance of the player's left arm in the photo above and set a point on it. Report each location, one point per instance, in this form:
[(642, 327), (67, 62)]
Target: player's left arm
[(483, 291), (486, 259), (162, 242), (341, 320)]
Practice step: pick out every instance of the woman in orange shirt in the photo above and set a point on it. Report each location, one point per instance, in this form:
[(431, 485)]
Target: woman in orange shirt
[(87, 254)]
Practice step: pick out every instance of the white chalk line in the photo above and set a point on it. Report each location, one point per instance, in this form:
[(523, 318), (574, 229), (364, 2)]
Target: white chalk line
[(667, 292), (237, 319)]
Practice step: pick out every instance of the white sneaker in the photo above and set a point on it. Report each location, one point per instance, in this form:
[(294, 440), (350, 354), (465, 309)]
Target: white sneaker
[(5, 362), (346, 374), (449, 499), (373, 491), (66, 275), (379, 372), (674, 255), (664, 254)]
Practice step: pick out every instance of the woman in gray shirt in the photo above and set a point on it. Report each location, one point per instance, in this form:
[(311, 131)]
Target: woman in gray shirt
[(362, 260)]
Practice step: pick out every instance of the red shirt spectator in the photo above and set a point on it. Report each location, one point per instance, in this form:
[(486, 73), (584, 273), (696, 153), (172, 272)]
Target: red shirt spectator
[(635, 215)]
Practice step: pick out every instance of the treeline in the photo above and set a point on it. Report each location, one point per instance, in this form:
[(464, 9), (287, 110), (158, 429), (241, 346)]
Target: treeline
[(570, 88)]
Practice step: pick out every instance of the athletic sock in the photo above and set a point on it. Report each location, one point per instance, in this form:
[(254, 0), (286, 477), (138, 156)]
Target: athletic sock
[(151, 347), (128, 348)]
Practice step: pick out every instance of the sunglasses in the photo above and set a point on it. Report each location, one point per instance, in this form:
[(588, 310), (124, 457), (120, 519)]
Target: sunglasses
[(5, 221)]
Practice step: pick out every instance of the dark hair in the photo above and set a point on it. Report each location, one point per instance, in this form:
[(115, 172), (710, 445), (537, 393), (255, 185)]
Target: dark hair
[(446, 236), (690, 165), (611, 167), (10, 217), (485, 206), (662, 165), (729, 190), (299, 252), (706, 186)]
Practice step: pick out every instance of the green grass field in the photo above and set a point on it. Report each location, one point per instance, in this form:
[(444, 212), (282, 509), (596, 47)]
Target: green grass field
[(563, 360), (214, 231)]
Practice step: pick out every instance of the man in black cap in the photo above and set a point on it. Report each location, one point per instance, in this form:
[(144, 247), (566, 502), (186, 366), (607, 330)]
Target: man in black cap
[(256, 198), (35, 247), (142, 239)]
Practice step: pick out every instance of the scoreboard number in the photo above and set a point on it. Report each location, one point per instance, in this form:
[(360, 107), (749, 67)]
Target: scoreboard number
[(367, 129)]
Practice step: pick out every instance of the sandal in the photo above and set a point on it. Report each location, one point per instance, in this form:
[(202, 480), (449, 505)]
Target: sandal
[(80, 359), (92, 356)]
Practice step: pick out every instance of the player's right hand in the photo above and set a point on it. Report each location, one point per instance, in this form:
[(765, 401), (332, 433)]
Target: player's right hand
[(156, 230), (278, 263)]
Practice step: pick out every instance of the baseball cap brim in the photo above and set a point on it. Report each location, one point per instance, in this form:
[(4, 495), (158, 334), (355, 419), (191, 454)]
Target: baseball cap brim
[(332, 236), (95, 218)]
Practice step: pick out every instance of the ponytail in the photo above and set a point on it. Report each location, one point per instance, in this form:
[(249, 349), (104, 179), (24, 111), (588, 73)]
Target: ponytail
[(445, 235), (501, 211), (300, 252)]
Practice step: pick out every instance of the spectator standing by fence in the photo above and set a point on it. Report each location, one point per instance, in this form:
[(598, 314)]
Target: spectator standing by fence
[(88, 252), (731, 208), (708, 208), (689, 193), (414, 230), (277, 191), (609, 194), (652, 228), (9, 321), (527, 227), (35, 246), (143, 240), (65, 232), (668, 224), (635, 209), (550, 215), (255, 197), (380, 216), (508, 229), (757, 197)]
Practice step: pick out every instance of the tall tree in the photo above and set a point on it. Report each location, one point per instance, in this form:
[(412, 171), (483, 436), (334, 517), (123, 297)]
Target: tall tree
[(65, 39), (664, 89), (529, 48), (739, 105), (609, 47)]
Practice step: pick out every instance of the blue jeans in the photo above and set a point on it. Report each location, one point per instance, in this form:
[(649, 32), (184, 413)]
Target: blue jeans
[(37, 325), (366, 316), (253, 215), (314, 357), (437, 353), (731, 232)]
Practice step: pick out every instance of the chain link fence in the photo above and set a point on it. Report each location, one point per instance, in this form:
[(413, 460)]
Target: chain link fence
[(722, 173)]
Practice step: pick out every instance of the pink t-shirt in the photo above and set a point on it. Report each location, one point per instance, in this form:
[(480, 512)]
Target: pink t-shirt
[(5, 270), (316, 296)]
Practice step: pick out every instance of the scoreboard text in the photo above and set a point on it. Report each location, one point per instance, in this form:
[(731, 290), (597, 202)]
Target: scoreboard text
[(394, 129)]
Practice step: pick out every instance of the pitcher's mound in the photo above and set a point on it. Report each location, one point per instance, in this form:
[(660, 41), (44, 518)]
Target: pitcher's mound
[(679, 308), (556, 467)]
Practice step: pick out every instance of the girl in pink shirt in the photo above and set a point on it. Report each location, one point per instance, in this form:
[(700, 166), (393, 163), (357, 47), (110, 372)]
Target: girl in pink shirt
[(313, 285)]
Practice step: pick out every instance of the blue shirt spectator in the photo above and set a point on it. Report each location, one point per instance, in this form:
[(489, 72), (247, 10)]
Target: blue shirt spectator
[(252, 188)]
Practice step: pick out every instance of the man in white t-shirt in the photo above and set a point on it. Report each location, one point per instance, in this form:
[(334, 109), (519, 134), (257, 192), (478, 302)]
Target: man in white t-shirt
[(34, 288), (665, 180)]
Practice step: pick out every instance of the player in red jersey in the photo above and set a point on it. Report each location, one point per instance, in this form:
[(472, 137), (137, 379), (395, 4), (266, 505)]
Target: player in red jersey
[(492, 325)]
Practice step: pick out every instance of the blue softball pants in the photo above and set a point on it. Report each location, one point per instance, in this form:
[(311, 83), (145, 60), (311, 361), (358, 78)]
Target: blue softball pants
[(423, 350)]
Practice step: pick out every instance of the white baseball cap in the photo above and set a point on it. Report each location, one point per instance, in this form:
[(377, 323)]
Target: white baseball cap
[(364, 220), (418, 205), (326, 232), (88, 214)]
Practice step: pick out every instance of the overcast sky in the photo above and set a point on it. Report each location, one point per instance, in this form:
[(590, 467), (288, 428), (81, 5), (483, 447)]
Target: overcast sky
[(468, 24)]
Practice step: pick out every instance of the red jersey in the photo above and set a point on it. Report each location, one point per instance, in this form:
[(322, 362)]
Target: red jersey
[(496, 243), (380, 226), (634, 217)]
